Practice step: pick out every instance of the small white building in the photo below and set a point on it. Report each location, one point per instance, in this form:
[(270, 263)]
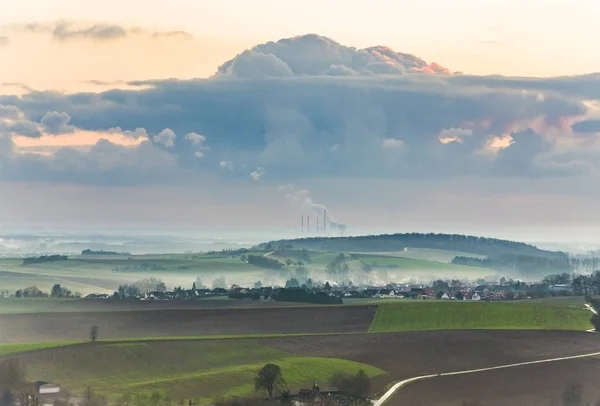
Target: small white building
[(46, 388), (476, 297)]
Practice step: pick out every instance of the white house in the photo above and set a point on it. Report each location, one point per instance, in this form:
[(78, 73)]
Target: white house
[(476, 297), (45, 388)]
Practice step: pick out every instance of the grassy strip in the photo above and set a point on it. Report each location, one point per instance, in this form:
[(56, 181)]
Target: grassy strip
[(479, 315), (8, 349)]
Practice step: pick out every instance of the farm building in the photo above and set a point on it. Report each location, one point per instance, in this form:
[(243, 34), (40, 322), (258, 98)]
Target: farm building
[(44, 388)]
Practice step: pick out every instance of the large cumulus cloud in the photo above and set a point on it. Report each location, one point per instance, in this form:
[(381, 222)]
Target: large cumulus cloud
[(310, 55), (318, 113)]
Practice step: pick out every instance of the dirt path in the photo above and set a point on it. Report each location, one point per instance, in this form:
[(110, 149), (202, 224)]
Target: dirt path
[(405, 382)]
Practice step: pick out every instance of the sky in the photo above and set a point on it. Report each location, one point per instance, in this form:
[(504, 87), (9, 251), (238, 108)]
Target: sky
[(465, 116)]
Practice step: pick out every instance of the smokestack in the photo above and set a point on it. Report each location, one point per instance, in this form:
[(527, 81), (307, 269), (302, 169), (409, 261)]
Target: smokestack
[(308, 224), (302, 223)]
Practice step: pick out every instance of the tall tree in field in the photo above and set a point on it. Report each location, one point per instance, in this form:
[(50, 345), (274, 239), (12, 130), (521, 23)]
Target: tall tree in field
[(269, 378), (93, 333)]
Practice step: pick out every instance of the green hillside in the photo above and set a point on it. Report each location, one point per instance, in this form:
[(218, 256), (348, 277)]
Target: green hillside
[(206, 369)]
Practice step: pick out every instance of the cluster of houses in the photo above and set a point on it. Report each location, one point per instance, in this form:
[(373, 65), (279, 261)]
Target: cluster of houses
[(487, 292)]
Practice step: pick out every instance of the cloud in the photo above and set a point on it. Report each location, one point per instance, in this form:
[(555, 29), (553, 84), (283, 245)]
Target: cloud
[(166, 138), (251, 64), (257, 174), (195, 139), (454, 135), (135, 134), (301, 121), (310, 55), (97, 32), (104, 164), (226, 165), (392, 143), (11, 112), (587, 126), (55, 122)]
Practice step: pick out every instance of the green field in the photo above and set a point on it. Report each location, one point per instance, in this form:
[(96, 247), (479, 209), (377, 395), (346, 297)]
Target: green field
[(206, 369), (429, 254), (430, 264), (438, 315)]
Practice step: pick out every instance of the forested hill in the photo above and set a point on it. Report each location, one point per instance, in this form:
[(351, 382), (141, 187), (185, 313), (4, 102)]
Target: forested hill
[(490, 247)]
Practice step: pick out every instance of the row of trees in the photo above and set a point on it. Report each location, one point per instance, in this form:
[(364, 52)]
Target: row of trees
[(57, 291), (303, 296), (270, 378), (44, 258), (141, 287)]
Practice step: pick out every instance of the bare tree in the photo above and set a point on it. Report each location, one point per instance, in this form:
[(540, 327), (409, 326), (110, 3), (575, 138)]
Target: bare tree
[(269, 378), (91, 398), (93, 333)]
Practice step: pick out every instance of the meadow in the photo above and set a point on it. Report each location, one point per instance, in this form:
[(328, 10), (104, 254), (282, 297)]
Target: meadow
[(454, 315), (200, 369)]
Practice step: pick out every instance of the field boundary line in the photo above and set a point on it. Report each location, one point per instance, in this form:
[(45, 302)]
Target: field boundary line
[(405, 382)]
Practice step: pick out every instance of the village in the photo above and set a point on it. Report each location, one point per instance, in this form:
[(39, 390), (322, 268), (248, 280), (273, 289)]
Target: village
[(437, 290)]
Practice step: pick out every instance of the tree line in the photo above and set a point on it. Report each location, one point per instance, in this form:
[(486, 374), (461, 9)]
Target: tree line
[(44, 258), (33, 292)]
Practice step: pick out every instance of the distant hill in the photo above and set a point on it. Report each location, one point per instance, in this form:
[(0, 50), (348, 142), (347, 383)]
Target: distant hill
[(500, 254), (102, 252)]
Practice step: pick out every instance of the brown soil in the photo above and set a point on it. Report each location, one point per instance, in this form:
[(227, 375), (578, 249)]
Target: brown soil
[(531, 385), (15, 328), (409, 354)]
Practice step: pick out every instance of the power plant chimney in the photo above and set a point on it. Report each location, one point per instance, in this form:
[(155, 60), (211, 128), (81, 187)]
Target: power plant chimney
[(308, 224), (302, 223)]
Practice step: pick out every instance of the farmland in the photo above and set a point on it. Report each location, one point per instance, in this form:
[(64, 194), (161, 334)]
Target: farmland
[(530, 385), (209, 369), (15, 328), (156, 319), (439, 315), (190, 369)]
